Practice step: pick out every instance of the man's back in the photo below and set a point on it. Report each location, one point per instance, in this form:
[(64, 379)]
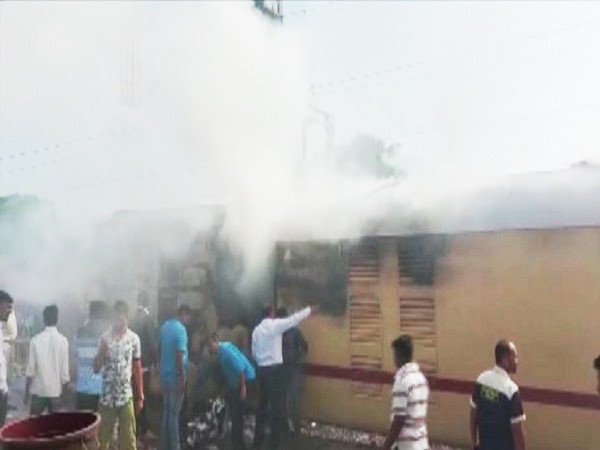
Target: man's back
[(233, 363), (294, 347), (48, 363), (267, 336), (498, 403), (173, 338)]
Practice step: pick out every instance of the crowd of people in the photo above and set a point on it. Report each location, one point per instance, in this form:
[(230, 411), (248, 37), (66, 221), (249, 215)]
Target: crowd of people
[(108, 364), (112, 364)]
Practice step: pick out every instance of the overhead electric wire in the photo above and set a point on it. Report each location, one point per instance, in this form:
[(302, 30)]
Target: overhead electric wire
[(68, 143), (316, 6), (332, 85)]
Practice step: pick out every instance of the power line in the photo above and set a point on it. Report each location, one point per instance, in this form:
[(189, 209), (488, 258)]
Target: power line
[(366, 84), (146, 177), (72, 142), (577, 108), (316, 6), (330, 85)]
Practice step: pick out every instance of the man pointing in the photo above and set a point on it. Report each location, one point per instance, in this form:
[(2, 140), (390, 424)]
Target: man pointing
[(266, 351)]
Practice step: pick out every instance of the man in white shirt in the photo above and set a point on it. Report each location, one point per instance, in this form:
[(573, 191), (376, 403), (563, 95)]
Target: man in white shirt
[(6, 304), (266, 351), (48, 366)]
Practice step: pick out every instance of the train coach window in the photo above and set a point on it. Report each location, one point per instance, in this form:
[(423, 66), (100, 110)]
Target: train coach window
[(365, 312), (417, 257), (365, 320), (365, 341), (417, 318), (363, 264), (312, 272)]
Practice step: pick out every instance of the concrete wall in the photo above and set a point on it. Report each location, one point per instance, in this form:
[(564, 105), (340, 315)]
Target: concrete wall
[(540, 288)]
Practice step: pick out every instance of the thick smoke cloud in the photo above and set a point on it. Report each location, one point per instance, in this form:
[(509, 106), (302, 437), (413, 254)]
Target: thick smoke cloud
[(158, 107), (164, 107)]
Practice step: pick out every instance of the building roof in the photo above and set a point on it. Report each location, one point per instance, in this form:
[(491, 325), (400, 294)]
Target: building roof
[(542, 200)]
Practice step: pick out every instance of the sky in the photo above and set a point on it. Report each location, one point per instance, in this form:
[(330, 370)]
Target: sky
[(67, 131), (469, 91), (496, 87), (475, 95)]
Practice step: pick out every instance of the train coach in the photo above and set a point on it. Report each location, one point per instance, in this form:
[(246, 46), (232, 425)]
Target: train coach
[(456, 295)]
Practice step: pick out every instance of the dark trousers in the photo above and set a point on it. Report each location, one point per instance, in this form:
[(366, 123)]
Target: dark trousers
[(236, 408), (41, 404), (3, 407), (294, 374), (142, 420), (272, 389), (86, 402)]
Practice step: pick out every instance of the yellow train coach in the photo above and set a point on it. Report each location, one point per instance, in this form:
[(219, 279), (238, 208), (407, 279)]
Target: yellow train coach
[(456, 295)]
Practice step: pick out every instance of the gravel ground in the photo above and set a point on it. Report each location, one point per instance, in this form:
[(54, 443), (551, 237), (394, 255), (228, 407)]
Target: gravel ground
[(345, 438), (314, 436), (311, 443), (319, 436)]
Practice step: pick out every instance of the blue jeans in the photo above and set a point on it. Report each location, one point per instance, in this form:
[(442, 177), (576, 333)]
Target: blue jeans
[(172, 401)]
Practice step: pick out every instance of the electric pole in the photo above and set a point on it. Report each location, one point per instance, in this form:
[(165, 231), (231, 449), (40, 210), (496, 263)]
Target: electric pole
[(322, 118)]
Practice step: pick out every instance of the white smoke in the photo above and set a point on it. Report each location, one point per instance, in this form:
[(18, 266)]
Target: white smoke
[(161, 107), (212, 114)]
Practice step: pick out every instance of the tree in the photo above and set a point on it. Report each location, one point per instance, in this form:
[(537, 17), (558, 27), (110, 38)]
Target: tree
[(370, 156), (15, 211)]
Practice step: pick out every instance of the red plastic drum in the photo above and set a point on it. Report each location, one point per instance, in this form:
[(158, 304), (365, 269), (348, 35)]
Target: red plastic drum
[(62, 430)]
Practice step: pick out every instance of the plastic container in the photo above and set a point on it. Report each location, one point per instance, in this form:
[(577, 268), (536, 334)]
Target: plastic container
[(62, 430)]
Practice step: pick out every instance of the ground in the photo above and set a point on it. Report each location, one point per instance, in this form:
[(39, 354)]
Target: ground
[(301, 443)]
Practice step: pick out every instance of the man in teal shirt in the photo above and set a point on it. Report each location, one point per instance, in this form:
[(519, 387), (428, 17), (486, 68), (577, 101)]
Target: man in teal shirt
[(173, 369), (237, 371)]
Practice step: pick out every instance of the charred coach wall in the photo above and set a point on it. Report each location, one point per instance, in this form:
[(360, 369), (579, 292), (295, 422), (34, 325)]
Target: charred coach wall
[(540, 288)]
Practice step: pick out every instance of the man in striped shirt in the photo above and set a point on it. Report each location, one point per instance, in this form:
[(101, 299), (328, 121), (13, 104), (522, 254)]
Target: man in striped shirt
[(410, 395)]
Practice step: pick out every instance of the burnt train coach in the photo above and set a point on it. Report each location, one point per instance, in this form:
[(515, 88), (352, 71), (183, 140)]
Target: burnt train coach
[(456, 295)]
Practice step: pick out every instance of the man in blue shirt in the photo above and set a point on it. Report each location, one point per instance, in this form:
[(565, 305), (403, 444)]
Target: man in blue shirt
[(237, 371), (173, 368)]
